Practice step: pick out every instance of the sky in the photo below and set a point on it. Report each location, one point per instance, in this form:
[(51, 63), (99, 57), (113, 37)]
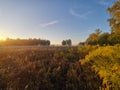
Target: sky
[(54, 20)]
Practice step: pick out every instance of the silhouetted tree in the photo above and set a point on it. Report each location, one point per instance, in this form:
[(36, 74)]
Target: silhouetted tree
[(63, 42), (92, 39), (67, 42)]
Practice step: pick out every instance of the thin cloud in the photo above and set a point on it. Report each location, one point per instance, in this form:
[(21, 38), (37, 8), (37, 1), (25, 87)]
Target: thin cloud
[(47, 24), (103, 2), (80, 15)]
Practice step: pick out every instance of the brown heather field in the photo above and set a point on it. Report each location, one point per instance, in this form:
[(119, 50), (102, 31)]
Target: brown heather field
[(59, 68)]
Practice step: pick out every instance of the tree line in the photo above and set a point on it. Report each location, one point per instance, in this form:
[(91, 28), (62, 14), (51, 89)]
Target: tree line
[(30, 41)]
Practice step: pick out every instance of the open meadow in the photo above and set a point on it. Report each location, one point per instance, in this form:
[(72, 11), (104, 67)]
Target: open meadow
[(59, 68)]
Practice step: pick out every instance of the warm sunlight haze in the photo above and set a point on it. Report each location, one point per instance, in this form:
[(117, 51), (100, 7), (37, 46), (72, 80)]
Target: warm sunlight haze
[(54, 20), (59, 44), (2, 38)]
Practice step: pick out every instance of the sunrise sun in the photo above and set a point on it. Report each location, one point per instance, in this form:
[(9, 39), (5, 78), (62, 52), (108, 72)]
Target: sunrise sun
[(2, 37)]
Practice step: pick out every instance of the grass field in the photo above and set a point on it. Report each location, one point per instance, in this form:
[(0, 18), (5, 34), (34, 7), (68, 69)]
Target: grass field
[(59, 68)]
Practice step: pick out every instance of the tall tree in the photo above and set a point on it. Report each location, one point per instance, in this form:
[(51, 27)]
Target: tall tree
[(98, 32), (69, 42), (92, 39), (63, 42), (103, 39), (115, 22), (115, 17)]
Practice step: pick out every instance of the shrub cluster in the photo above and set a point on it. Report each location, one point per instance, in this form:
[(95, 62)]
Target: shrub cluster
[(106, 62)]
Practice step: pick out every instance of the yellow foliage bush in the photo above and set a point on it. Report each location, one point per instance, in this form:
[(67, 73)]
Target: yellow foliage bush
[(106, 62)]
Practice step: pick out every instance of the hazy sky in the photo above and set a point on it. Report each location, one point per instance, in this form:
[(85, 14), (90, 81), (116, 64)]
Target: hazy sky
[(54, 20)]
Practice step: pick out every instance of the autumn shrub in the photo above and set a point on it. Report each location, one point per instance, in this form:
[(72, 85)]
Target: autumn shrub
[(84, 50), (106, 62)]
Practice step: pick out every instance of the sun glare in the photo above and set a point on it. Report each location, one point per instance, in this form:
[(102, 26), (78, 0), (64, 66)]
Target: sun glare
[(2, 38)]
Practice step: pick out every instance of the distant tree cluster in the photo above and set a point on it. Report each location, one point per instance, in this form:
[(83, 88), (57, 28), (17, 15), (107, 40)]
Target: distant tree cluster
[(67, 42), (25, 42)]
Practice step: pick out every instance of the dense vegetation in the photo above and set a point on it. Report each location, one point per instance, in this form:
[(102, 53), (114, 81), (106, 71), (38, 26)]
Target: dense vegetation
[(37, 69), (105, 61)]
